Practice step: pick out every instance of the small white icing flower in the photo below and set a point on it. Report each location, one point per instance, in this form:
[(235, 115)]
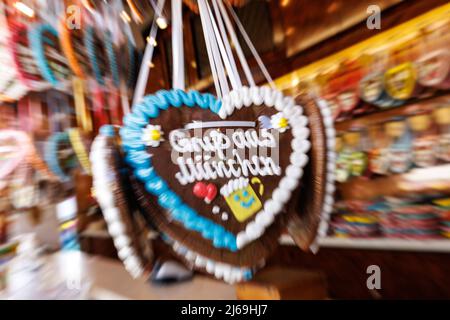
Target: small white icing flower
[(279, 122), (152, 135)]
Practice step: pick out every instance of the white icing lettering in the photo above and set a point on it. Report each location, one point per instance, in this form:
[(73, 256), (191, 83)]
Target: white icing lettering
[(237, 167)]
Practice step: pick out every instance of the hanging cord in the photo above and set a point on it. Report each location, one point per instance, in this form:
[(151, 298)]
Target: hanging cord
[(251, 47), (144, 70), (159, 10), (126, 38), (217, 67), (228, 59), (177, 46), (210, 56), (218, 4), (226, 42)]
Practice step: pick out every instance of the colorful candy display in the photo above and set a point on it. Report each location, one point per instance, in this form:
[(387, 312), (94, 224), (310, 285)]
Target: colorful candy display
[(387, 219)]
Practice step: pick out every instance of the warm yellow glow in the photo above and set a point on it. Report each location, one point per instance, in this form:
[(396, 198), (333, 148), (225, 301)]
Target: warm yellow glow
[(285, 3), (23, 8), (151, 64), (290, 31), (125, 17), (333, 7), (161, 22), (152, 41), (372, 46)]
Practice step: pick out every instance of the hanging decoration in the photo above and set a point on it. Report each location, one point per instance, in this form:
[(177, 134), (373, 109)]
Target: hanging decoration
[(45, 47), (239, 204), (108, 181)]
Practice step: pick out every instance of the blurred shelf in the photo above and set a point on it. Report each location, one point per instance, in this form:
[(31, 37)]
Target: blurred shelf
[(379, 244), (384, 114), (419, 180)]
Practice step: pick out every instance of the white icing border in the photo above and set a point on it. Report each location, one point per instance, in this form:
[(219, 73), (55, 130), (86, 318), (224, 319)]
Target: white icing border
[(327, 207), (222, 271), (266, 96), (103, 180), (219, 124), (233, 185)]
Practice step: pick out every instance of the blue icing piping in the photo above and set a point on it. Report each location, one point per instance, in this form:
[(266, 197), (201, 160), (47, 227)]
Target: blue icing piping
[(207, 233), (161, 99), (138, 159), (130, 133), (51, 150), (148, 110), (174, 98), (169, 200), (187, 100), (247, 273), (199, 100), (133, 120), (112, 58), (36, 40), (89, 36), (156, 186), (190, 224), (145, 174), (216, 106), (218, 242), (107, 130), (134, 147)]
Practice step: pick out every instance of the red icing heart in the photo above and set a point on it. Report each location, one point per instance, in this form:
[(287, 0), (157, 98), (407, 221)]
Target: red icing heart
[(211, 190), (200, 190)]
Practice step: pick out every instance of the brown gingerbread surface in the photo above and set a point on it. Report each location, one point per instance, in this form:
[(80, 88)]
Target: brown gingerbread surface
[(304, 223), (165, 166)]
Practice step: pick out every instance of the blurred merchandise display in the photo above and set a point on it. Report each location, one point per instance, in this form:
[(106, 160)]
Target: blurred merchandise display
[(443, 212), (66, 212), (425, 140), (399, 145), (352, 160), (442, 119), (401, 219), (354, 221), (390, 102), (397, 68), (394, 146), (378, 149)]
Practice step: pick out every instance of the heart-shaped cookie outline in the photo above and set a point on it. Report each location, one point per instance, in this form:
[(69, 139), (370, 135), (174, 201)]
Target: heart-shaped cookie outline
[(139, 159), (111, 198), (51, 154), (228, 271), (36, 36), (314, 214)]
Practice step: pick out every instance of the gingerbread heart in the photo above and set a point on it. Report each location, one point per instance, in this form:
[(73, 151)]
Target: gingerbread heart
[(251, 146)]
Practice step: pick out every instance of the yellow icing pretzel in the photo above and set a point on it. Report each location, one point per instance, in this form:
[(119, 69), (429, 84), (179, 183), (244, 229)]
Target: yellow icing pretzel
[(80, 149)]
